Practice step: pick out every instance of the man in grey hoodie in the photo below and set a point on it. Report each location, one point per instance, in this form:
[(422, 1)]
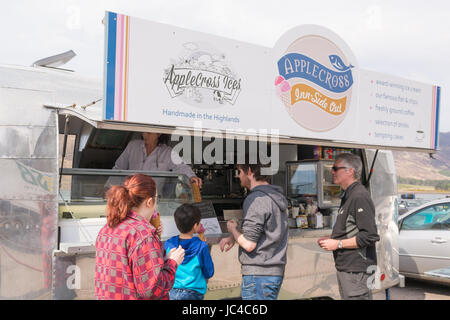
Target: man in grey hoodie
[(262, 236)]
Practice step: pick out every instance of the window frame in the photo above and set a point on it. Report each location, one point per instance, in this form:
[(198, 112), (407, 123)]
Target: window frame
[(432, 223)]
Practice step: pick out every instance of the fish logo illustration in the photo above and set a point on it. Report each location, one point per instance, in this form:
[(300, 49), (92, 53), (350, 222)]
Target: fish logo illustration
[(338, 64)]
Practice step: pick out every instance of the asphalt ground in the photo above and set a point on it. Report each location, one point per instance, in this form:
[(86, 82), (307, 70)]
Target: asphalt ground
[(417, 290)]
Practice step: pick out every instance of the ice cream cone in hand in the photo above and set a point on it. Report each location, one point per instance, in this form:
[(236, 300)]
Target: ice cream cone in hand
[(201, 233), (155, 221)]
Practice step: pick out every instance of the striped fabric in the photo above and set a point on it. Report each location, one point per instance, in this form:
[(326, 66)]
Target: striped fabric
[(131, 263)]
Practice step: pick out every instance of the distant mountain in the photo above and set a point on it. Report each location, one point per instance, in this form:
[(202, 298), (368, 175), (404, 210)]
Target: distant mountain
[(421, 166)]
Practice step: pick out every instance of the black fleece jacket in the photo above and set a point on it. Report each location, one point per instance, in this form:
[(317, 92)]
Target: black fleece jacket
[(356, 218)]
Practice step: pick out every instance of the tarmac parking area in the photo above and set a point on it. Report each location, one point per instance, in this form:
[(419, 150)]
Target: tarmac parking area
[(417, 290)]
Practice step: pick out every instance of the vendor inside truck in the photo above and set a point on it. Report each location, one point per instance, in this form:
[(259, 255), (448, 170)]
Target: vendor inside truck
[(153, 154)]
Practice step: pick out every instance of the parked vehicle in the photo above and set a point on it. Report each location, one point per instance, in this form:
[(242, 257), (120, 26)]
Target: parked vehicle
[(424, 240), (405, 206)]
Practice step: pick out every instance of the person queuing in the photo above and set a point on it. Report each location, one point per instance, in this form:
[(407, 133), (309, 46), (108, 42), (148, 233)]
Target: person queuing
[(355, 232), (197, 266), (130, 262), (153, 154), (263, 235)]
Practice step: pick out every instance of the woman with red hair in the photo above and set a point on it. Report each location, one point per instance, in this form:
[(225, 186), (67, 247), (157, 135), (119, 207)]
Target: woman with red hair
[(130, 262)]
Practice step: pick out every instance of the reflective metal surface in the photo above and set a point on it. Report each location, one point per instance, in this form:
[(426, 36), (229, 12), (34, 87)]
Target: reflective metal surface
[(383, 187), (28, 195), (29, 171)]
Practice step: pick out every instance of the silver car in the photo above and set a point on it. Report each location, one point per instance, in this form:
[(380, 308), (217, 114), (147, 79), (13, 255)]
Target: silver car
[(406, 205), (424, 240)]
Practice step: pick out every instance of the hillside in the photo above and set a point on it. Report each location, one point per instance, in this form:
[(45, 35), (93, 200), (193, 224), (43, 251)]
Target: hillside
[(421, 166)]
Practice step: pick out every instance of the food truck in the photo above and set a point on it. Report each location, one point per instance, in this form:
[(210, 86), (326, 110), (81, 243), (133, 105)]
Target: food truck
[(296, 106)]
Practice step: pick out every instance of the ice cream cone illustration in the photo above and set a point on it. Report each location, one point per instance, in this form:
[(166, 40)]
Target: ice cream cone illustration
[(285, 98), (282, 88)]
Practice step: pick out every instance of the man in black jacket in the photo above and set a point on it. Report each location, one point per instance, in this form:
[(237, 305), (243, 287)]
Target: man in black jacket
[(354, 233)]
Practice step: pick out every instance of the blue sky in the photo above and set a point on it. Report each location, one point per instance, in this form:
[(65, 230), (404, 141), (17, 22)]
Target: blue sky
[(408, 39)]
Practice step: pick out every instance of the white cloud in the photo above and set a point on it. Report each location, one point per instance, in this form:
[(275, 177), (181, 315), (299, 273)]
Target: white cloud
[(373, 18)]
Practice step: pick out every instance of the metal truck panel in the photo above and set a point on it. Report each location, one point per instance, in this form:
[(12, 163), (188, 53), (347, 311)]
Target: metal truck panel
[(28, 193), (383, 189)]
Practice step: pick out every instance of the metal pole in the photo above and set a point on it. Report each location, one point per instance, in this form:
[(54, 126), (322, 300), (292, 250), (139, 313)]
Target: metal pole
[(66, 129), (371, 168)]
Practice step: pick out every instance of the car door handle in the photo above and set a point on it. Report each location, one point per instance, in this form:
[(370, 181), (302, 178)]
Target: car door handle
[(439, 240)]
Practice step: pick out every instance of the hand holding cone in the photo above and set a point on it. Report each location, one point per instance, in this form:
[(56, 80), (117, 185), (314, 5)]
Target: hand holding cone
[(201, 233), (155, 221)]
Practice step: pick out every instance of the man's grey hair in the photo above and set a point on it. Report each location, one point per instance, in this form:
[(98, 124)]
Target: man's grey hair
[(352, 161)]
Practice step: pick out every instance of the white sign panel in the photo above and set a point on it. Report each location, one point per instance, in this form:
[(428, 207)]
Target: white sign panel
[(308, 86), (164, 75), (396, 111)]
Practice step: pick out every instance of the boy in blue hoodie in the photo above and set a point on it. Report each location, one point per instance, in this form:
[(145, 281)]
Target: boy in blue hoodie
[(197, 266)]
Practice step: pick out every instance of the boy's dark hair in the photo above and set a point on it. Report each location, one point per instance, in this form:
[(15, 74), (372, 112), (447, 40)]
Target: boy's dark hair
[(186, 216), (256, 168)]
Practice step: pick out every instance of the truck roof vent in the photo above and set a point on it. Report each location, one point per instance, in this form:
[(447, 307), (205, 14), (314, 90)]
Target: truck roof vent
[(56, 60)]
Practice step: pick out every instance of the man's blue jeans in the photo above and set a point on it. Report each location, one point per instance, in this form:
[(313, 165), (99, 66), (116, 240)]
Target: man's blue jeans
[(261, 287), (184, 294)]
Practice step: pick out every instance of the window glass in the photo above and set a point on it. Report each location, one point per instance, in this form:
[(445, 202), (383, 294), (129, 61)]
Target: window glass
[(432, 217), (331, 191), (302, 179), (83, 191)]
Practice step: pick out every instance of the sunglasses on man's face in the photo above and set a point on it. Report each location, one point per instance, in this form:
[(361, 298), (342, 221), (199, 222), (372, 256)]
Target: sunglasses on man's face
[(334, 168)]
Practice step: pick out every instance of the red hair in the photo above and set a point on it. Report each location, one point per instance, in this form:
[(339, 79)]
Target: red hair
[(132, 193)]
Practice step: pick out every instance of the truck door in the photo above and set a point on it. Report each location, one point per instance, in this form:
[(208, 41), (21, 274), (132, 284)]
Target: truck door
[(383, 189)]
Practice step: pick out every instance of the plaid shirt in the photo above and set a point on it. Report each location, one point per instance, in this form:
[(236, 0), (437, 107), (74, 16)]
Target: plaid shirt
[(131, 263)]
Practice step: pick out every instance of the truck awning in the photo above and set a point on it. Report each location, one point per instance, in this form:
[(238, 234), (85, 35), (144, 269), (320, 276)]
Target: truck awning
[(93, 116)]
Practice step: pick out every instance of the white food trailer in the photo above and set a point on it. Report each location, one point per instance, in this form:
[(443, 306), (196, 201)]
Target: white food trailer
[(296, 105)]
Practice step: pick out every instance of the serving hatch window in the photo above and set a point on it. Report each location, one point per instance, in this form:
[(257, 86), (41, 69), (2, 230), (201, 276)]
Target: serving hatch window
[(83, 193)]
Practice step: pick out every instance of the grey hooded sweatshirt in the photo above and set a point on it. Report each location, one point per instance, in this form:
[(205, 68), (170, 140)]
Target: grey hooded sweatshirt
[(265, 223)]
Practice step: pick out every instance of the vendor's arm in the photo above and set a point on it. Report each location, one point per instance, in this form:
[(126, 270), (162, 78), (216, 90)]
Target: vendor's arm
[(176, 164), (123, 162), (196, 180)]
